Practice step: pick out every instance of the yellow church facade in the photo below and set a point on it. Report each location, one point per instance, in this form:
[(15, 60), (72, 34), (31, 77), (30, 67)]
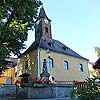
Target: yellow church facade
[(70, 72), (57, 69)]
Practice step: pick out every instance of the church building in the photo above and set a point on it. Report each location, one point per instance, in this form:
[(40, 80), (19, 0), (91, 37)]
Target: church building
[(63, 63)]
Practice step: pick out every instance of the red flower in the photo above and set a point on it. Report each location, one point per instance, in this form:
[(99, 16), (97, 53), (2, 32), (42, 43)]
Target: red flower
[(40, 80), (75, 81), (18, 81)]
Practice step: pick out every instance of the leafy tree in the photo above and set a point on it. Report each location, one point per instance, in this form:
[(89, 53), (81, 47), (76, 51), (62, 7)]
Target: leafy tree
[(16, 18), (97, 49), (95, 73), (90, 90)]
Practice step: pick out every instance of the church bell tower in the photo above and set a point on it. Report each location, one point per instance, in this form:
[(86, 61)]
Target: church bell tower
[(42, 25)]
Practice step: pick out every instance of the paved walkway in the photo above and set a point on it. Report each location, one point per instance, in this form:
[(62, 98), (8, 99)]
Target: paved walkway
[(35, 99), (5, 98), (68, 98)]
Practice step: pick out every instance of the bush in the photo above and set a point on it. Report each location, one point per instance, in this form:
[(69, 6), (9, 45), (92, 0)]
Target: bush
[(90, 90)]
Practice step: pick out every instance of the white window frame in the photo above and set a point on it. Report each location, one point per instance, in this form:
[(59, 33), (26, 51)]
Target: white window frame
[(80, 67), (65, 65), (49, 62)]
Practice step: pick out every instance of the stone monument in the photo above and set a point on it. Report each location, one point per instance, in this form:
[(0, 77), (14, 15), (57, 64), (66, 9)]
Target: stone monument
[(45, 73)]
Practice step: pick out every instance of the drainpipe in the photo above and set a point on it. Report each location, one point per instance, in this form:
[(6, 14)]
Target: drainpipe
[(38, 63), (88, 69)]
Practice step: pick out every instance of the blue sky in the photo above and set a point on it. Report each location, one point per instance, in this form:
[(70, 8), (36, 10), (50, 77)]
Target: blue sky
[(76, 23)]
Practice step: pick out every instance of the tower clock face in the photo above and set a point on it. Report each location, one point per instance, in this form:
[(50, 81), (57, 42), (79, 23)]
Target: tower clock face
[(46, 21)]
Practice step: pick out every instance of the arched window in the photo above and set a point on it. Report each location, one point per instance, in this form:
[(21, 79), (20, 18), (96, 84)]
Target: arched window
[(25, 64), (80, 66), (49, 62), (65, 64), (38, 30), (46, 29)]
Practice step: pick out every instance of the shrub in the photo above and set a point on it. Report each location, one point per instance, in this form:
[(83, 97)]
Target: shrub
[(90, 90)]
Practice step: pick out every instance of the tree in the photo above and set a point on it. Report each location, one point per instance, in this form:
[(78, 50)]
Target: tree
[(94, 73), (16, 18), (89, 90), (97, 49)]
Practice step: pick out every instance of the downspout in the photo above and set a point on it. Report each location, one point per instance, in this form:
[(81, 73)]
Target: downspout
[(88, 69), (38, 63)]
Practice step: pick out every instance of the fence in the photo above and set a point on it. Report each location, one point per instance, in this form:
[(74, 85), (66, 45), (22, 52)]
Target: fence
[(64, 82), (80, 85)]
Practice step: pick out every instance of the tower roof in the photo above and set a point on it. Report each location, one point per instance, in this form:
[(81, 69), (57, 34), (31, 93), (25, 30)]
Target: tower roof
[(42, 13)]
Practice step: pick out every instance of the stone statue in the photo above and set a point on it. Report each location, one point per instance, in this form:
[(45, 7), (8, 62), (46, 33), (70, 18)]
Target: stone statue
[(45, 71), (45, 66)]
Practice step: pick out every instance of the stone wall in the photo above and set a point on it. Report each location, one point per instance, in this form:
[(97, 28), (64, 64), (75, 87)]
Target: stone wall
[(42, 91), (7, 90)]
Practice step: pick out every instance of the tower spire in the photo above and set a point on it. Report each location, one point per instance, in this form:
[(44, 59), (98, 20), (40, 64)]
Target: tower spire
[(42, 13)]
